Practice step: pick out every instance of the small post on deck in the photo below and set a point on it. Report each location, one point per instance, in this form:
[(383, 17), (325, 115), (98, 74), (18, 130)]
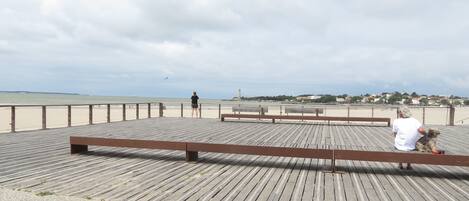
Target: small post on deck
[(108, 113), (302, 112), (160, 108), (123, 112), (44, 117), (451, 115), (182, 110), (90, 114), (149, 110), (13, 119), (397, 113), (69, 115), (423, 115), (348, 114), (317, 112), (219, 110), (372, 114), (200, 110), (137, 113)]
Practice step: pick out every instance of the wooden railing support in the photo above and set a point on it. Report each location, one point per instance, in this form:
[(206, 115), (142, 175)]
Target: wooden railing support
[(123, 112), (219, 111), (182, 110), (13, 119), (44, 117), (451, 115), (137, 113), (160, 108), (149, 110), (90, 114), (69, 115), (108, 113)]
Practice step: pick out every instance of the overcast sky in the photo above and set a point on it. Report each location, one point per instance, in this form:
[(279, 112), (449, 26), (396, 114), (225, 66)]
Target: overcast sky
[(267, 47)]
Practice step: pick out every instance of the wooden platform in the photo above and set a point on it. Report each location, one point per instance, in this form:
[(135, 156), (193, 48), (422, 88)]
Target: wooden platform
[(39, 161)]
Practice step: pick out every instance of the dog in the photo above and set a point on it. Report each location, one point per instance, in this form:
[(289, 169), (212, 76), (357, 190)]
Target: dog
[(427, 143)]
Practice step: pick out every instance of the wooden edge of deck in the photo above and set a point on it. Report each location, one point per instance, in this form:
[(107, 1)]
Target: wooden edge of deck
[(131, 143), (402, 157), (261, 150)]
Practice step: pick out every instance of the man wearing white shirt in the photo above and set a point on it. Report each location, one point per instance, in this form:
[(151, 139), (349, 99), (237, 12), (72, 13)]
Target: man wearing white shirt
[(407, 131)]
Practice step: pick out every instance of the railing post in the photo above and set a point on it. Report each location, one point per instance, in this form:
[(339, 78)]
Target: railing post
[(69, 115), (90, 114), (302, 112), (44, 117), (348, 114), (108, 113), (372, 114), (219, 111), (160, 109), (182, 110), (137, 113), (451, 115), (200, 110), (423, 115), (397, 113), (13, 119), (149, 110), (123, 112)]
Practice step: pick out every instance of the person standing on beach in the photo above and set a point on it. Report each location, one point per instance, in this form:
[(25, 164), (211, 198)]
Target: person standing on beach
[(407, 130), (195, 104)]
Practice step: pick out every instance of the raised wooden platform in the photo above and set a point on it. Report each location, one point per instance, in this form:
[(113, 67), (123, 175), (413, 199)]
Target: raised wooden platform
[(40, 161)]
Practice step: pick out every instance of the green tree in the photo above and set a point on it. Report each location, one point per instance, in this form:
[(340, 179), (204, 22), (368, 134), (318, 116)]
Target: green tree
[(444, 102), (395, 98), (456, 102), (466, 102), (408, 101), (356, 99), (414, 94), (424, 101)]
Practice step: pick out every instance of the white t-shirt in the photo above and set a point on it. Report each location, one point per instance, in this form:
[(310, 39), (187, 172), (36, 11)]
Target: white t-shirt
[(407, 133)]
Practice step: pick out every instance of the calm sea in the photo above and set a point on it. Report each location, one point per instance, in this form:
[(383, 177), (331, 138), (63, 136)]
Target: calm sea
[(47, 99)]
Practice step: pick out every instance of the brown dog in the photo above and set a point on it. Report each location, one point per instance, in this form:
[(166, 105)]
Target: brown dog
[(427, 143)]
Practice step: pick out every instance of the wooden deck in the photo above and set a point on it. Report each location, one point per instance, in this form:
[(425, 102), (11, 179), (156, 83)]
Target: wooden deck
[(40, 161)]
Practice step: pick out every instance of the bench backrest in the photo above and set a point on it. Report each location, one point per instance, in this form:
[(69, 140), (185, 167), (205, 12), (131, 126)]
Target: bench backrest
[(305, 110), (244, 108)]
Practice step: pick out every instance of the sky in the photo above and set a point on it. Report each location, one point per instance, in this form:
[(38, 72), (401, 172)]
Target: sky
[(263, 47)]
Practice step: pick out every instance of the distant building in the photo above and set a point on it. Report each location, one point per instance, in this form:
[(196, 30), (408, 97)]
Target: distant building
[(307, 98), (339, 100)]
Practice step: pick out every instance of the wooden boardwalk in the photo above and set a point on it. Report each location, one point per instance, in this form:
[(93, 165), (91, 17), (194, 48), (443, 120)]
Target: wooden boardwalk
[(40, 161)]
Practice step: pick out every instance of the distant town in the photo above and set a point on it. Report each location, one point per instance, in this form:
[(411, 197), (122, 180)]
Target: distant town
[(383, 98)]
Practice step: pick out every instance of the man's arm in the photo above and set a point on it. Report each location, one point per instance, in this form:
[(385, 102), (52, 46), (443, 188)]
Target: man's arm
[(422, 131)]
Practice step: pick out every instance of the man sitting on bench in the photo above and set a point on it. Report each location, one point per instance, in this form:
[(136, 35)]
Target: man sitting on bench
[(407, 130)]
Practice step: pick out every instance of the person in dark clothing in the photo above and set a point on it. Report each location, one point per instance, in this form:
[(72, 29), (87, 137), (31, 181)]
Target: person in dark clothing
[(195, 104)]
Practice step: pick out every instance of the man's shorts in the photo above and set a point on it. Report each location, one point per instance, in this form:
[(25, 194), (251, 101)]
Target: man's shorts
[(195, 105)]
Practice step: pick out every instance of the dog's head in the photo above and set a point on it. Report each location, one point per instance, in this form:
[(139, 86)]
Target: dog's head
[(433, 132)]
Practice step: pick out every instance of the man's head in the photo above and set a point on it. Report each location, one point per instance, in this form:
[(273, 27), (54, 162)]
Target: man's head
[(404, 112), (194, 93)]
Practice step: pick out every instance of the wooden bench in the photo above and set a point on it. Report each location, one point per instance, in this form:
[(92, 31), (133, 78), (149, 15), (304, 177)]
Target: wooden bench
[(303, 110), (80, 144), (326, 118), (246, 108)]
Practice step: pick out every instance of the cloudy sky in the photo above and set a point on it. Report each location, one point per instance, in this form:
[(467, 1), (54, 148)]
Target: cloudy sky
[(264, 47)]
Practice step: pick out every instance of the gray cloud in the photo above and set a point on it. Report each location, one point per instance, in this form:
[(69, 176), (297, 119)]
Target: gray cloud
[(265, 47)]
